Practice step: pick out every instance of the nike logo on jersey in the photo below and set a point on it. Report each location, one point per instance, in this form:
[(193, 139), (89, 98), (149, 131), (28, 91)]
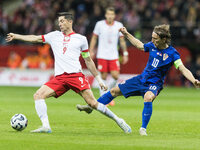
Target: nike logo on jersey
[(153, 50), (83, 85)]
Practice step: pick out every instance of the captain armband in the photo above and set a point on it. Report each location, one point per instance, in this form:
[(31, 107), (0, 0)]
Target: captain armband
[(177, 63), (85, 54)]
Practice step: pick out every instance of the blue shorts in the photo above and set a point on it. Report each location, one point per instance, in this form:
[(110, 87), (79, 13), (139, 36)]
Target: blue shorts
[(134, 87)]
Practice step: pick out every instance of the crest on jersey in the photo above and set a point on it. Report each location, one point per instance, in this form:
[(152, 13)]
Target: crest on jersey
[(66, 38), (165, 56)]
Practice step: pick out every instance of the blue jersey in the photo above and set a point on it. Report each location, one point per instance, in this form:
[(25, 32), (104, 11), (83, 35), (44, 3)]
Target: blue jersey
[(160, 61), (152, 78)]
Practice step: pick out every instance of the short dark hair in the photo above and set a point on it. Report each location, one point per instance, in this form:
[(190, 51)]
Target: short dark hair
[(110, 9), (67, 15), (163, 31)]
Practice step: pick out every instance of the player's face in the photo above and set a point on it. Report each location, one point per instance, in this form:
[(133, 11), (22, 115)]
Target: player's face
[(157, 41), (110, 16), (64, 24)]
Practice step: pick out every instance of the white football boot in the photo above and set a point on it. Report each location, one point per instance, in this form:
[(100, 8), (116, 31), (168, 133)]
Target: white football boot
[(42, 130), (85, 108), (143, 132), (124, 126)]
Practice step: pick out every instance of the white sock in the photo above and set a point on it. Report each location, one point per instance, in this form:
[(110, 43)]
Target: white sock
[(41, 109), (112, 84), (102, 91), (106, 111)]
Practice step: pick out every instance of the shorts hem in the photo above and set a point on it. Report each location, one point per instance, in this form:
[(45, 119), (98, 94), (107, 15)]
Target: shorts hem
[(126, 96)]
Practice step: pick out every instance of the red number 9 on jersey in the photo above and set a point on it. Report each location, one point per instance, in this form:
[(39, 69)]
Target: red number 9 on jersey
[(64, 50)]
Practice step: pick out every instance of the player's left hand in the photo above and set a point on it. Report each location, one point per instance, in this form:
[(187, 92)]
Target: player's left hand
[(124, 60), (197, 83), (103, 86)]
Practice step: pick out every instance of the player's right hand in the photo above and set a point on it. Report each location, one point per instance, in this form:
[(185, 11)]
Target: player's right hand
[(197, 83), (123, 30), (10, 37)]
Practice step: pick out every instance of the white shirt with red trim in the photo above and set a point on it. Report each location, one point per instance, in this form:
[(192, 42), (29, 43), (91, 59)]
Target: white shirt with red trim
[(66, 50), (108, 36)]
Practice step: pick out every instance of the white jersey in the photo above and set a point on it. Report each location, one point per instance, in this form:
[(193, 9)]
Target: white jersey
[(66, 50), (108, 36)]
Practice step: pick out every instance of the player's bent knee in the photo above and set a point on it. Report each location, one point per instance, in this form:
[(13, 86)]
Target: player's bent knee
[(149, 97), (37, 96), (116, 77), (114, 92), (104, 75)]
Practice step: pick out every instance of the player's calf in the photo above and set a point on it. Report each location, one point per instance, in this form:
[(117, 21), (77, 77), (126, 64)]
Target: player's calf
[(93, 104)]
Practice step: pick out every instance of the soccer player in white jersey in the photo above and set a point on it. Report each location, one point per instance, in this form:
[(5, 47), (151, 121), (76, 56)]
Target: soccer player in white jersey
[(108, 35), (67, 47)]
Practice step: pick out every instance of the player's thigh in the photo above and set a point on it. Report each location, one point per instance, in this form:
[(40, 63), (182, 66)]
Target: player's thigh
[(113, 65), (89, 98), (115, 74), (104, 75), (103, 67), (149, 96), (116, 91), (44, 92)]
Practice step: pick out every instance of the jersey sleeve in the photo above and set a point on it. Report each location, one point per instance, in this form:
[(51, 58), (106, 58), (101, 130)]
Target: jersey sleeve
[(84, 49), (147, 47), (177, 59), (84, 46), (176, 56), (96, 29), (120, 34), (46, 38)]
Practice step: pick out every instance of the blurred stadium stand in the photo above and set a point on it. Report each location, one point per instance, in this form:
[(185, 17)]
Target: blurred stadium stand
[(139, 16)]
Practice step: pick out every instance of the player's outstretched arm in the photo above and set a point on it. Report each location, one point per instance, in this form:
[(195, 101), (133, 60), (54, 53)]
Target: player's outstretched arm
[(124, 48), (137, 43), (91, 66), (26, 38), (189, 75), (92, 46)]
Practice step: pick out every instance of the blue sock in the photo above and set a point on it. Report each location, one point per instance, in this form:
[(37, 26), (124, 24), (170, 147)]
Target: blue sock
[(146, 114), (106, 98)]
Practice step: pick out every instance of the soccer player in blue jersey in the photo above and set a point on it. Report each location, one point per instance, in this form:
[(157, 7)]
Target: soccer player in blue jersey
[(149, 84)]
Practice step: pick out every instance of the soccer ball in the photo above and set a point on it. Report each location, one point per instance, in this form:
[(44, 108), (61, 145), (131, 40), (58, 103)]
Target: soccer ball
[(19, 122)]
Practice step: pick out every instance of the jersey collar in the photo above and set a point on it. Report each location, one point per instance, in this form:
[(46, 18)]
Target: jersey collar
[(69, 33), (161, 49), (110, 24)]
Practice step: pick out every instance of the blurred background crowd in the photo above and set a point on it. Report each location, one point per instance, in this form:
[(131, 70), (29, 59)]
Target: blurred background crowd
[(139, 16)]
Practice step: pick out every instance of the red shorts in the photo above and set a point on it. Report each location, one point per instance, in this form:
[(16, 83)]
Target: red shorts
[(62, 83), (108, 65)]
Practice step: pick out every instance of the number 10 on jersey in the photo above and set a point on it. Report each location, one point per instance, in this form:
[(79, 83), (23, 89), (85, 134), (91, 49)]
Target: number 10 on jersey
[(155, 62)]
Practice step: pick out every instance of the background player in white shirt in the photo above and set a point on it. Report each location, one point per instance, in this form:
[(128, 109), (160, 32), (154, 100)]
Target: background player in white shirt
[(67, 47), (108, 35)]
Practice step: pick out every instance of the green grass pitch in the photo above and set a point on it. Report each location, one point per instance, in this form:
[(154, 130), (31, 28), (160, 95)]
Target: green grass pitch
[(174, 124)]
